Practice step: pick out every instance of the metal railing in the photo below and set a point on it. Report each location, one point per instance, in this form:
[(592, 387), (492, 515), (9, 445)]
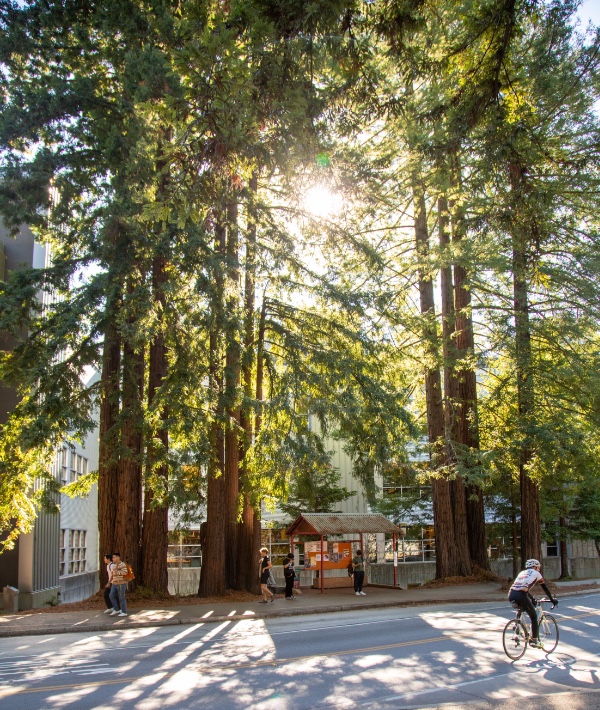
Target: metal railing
[(411, 550), (184, 556)]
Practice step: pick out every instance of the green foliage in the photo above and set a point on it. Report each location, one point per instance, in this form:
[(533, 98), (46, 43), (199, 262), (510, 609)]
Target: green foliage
[(151, 122), (82, 487), (314, 489)]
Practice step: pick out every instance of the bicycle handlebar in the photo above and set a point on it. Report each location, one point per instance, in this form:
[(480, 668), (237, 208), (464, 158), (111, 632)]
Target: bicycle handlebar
[(544, 600)]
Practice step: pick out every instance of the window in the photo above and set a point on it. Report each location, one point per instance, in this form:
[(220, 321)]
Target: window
[(73, 476), (552, 549), (62, 554), (64, 466), (73, 466), (77, 551)]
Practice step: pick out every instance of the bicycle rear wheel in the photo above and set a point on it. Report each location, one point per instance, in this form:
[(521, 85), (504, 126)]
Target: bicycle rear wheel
[(514, 639), (549, 633)]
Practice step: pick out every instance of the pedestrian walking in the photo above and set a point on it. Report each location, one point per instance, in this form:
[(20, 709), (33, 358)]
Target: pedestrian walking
[(109, 565), (118, 590), (265, 572), (289, 575), (358, 563)]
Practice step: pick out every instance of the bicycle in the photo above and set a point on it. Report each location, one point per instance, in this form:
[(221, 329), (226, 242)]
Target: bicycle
[(515, 637)]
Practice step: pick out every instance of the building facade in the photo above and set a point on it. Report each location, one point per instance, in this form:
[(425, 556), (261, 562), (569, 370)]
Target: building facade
[(58, 560)]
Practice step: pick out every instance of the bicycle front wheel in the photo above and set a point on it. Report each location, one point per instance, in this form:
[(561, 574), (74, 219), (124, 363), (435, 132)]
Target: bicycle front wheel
[(549, 633), (514, 639)]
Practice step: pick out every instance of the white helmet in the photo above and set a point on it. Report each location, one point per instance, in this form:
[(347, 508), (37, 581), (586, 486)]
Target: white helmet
[(532, 563)]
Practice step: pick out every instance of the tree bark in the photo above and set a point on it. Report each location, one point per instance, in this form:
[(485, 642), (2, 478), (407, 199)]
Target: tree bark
[(213, 578), (155, 537), (247, 549), (514, 530), (440, 485), (232, 381), (108, 475), (531, 531), (467, 426), (531, 535), (457, 485), (128, 524), (564, 557)]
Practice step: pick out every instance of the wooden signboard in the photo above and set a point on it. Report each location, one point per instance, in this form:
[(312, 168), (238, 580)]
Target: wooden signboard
[(336, 555)]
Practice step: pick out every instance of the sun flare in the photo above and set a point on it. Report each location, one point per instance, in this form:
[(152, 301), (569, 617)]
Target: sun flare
[(320, 201)]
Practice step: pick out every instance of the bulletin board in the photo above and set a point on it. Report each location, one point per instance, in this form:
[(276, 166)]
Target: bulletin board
[(336, 555)]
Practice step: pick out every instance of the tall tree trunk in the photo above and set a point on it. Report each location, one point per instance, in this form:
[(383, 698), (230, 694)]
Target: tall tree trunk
[(213, 578), (514, 530), (247, 551), (564, 557), (128, 523), (260, 371), (155, 538), (457, 485), (440, 485), (531, 534), (467, 426), (232, 381), (108, 475)]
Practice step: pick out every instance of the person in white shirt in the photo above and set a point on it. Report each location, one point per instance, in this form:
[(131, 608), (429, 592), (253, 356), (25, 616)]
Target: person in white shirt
[(520, 590)]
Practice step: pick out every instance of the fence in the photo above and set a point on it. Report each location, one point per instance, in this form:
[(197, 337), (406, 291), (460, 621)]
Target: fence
[(184, 556)]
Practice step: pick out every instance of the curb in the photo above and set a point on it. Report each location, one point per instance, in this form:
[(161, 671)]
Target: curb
[(336, 608)]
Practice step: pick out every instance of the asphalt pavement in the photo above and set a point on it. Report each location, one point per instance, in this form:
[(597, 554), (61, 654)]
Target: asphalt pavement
[(439, 655), (61, 620), (311, 601)]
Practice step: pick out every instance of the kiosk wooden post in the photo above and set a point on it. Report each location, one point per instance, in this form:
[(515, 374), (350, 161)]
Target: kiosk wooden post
[(322, 568)]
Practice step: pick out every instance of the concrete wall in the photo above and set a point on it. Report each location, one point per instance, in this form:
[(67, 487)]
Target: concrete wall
[(408, 573), (585, 567), (75, 587), (411, 573), (185, 581)]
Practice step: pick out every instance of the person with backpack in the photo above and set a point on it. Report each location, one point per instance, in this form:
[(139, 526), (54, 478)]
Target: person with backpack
[(121, 575), (358, 565)]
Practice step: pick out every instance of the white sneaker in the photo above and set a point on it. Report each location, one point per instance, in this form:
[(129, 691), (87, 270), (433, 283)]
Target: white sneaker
[(113, 613), (107, 611), (357, 594), (363, 594), (123, 613)]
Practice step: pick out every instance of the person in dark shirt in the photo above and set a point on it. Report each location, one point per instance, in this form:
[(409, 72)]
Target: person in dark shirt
[(109, 565), (358, 562), (289, 575)]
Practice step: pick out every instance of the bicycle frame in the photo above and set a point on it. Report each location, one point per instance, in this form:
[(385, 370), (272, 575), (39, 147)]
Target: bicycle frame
[(523, 616)]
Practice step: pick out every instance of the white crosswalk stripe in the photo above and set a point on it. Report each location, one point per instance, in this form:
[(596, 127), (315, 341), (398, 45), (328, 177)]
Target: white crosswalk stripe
[(23, 671)]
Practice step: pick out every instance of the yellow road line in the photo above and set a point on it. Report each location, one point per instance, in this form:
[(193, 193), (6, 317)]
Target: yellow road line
[(7, 692)]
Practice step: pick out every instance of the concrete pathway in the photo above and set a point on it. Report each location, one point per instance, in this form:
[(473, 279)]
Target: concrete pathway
[(311, 602)]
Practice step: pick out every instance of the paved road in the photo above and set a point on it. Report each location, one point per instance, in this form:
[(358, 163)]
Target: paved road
[(375, 659)]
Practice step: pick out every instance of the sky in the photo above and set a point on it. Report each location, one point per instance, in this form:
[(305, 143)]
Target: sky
[(589, 10)]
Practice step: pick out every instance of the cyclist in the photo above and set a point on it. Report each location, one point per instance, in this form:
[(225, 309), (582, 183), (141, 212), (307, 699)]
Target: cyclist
[(524, 582)]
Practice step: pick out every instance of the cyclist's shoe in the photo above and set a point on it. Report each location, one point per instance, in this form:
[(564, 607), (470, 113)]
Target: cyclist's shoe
[(535, 643)]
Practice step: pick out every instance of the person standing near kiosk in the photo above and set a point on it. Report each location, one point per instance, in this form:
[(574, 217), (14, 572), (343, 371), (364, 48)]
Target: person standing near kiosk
[(358, 563), (289, 575)]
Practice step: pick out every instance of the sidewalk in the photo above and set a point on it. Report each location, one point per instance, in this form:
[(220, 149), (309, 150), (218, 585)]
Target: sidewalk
[(311, 602)]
